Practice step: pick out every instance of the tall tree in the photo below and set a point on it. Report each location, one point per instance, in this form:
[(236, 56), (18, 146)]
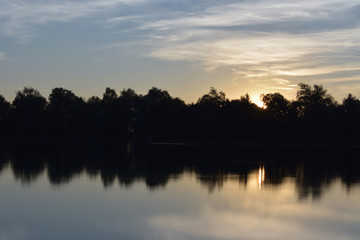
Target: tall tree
[(276, 104), (4, 108), (109, 95), (213, 97), (4, 116), (66, 111), (29, 106), (314, 97), (29, 100)]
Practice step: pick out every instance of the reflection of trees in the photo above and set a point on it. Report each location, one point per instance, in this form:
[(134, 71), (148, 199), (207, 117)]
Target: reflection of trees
[(315, 182), (27, 164), (4, 159), (313, 170)]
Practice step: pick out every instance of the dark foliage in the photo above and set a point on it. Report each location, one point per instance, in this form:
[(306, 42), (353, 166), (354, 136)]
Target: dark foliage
[(313, 117), (28, 113)]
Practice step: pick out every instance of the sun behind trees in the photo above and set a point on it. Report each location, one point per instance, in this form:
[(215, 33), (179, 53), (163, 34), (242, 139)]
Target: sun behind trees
[(313, 117)]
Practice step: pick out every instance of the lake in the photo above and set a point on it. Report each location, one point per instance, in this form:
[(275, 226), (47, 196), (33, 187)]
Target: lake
[(130, 191)]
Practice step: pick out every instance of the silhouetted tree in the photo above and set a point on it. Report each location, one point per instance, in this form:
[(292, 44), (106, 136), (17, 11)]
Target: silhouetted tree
[(314, 98), (156, 95), (4, 107), (313, 117), (246, 100), (276, 104), (111, 115), (213, 97), (318, 109), (29, 106), (109, 95), (128, 94), (350, 120), (66, 112), (240, 119), (4, 116), (277, 116), (95, 115), (29, 99), (159, 114), (129, 103), (61, 99), (209, 113), (351, 104)]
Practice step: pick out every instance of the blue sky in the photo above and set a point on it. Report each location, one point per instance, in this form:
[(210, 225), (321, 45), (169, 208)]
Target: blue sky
[(184, 46)]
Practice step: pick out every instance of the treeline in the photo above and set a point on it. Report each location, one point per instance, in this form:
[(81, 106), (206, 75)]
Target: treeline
[(313, 117)]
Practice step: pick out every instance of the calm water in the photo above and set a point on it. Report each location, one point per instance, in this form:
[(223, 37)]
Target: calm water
[(178, 193)]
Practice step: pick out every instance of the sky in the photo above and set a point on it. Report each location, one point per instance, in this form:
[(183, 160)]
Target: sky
[(183, 46)]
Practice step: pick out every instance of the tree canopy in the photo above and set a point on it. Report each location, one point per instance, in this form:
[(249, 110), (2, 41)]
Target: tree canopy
[(314, 116)]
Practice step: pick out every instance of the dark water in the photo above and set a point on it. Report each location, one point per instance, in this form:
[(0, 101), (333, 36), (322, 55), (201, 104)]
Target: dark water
[(126, 191)]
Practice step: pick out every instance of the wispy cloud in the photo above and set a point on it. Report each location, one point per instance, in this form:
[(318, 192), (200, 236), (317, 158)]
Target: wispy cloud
[(264, 55), (257, 12), (258, 41), (122, 19), (18, 18), (274, 43)]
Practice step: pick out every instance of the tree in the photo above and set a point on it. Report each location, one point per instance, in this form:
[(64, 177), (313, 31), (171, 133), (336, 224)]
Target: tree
[(128, 93), (94, 113), (94, 100), (316, 96), (213, 97), (109, 95), (29, 100), (4, 116), (29, 107), (63, 100), (129, 103), (246, 99), (66, 112), (319, 113), (276, 104), (156, 95), (350, 118), (209, 109), (351, 104), (4, 108)]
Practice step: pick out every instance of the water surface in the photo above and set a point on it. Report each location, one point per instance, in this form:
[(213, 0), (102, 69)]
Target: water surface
[(178, 193)]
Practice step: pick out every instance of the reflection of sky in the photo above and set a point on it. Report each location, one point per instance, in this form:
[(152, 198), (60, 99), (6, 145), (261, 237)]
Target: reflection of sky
[(184, 209), (183, 46)]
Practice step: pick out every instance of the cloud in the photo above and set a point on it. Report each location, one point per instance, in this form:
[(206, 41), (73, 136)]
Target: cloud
[(19, 17), (256, 220), (121, 19), (258, 12), (275, 43), (264, 55), (264, 41)]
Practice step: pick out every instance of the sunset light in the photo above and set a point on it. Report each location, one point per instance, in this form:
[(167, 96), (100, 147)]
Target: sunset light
[(259, 103), (261, 176)]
